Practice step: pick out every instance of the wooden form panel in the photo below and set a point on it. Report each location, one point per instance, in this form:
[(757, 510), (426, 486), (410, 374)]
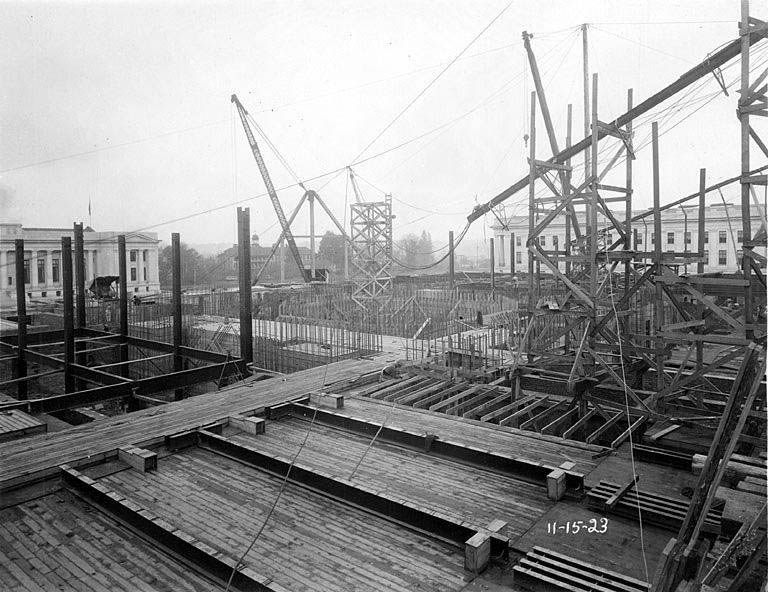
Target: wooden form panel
[(403, 511), (519, 468), (163, 533)]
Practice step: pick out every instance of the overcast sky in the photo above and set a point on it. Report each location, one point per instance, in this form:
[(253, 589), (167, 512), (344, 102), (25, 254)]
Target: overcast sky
[(128, 105)]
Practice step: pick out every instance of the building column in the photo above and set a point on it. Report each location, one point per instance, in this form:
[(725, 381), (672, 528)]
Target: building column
[(502, 252), (4, 273), (33, 284), (49, 270)]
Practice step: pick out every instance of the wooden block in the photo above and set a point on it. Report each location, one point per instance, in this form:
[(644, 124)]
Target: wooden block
[(327, 400), (496, 525), (477, 552), (139, 458), (556, 484), (567, 465), (250, 425)]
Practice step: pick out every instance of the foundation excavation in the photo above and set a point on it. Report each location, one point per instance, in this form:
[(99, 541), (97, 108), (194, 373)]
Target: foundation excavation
[(589, 415)]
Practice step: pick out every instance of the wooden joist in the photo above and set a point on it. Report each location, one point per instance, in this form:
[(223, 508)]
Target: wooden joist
[(483, 409), (581, 423), (593, 437), (514, 418), (440, 395), (555, 425), (409, 399), (502, 411), (534, 421)]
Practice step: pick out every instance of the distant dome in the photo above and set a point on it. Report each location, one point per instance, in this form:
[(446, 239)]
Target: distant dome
[(255, 239)]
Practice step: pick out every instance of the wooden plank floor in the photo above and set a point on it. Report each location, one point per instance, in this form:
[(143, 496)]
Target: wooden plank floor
[(311, 541), (618, 549), (474, 495), (58, 542), (500, 439), (20, 460)]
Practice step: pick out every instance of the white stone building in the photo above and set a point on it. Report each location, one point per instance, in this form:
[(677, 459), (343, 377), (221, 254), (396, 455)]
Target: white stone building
[(42, 261), (722, 240)]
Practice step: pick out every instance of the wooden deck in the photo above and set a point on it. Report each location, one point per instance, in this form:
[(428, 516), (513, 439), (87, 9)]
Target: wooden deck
[(38, 456), (476, 495), (311, 542), (58, 542), (501, 439), (17, 424)]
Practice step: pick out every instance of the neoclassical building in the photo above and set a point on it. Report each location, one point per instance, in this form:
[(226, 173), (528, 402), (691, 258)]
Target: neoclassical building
[(722, 239), (42, 261)]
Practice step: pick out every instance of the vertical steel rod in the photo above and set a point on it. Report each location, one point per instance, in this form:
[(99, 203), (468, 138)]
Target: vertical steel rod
[(244, 261), (451, 261), (746, 221), (21, 313), (178, 362), (700, 264), (69, 313), (531, 210), (493, 267), (123, 273), (79, 275), (658, 303)]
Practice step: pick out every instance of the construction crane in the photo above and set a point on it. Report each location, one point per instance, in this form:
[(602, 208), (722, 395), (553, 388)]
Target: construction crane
[(355, 188), (271, 189)]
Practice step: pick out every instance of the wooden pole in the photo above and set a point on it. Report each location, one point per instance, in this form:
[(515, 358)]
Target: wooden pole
[(21, 313), (658, 303), (746, 221), (312, 236), (531, 210), (79, 275), (79, 294), (493, 267), (700, 264), (451, 261), (244, 261), (512, 254), (123, 279), (69, 319), (568, 216), (628, 214), (585, 79), (178, 362)]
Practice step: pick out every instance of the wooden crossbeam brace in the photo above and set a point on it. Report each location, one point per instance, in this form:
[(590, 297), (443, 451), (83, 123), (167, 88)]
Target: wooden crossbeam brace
[(618, 379), (699, 373), (536, 250), (612, 501)]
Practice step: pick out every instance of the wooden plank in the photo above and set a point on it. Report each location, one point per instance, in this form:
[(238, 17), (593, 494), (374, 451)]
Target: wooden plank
[(507, 408), (604, 428), (611, 502), (628, 432), (533, 421), (514, 417), (580, 423), (558, 421)]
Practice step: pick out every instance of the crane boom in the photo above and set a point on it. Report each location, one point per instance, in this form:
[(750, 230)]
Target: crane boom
[(271, 189), (712, 62)]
